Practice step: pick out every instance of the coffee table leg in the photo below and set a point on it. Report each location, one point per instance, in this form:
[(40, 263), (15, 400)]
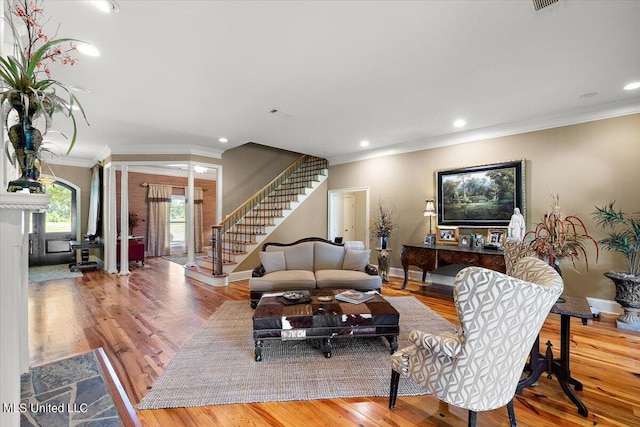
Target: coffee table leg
[(258, 350), (393, 342), (326, 347)]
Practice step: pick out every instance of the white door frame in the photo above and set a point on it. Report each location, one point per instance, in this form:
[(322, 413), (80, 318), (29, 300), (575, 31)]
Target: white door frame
[(334, 214)]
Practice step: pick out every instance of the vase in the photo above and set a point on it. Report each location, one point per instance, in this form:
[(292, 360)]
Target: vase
[(26, 141), (628, 296), (383, 242)]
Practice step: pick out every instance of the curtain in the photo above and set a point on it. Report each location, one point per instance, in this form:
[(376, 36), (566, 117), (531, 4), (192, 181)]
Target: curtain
[(159, 198), (198, 199), (94, 202)]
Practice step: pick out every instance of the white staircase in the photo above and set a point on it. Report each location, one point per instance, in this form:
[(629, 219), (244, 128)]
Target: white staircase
[(247, 227)]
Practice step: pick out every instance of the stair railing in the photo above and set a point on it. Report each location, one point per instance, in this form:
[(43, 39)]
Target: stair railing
[(245, 221)]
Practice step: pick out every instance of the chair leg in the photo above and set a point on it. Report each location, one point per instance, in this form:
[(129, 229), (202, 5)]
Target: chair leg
[(473, 415), (393, 389), (512, 414)]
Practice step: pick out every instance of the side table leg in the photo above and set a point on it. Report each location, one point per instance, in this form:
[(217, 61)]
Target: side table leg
[(258, 350), (537, 365), (393, 342), (326, 347), (563, 371)]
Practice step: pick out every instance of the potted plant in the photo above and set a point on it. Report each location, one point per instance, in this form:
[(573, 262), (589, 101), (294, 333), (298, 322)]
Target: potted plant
[(133, 221), (558, 236), (28, 89), (382, 223), (623, 237)]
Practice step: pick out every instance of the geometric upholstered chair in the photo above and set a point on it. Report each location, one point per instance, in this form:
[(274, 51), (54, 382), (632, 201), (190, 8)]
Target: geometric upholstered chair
[(513, 251), (478, 366)]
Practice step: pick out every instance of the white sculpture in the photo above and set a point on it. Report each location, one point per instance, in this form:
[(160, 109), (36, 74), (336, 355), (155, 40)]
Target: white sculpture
[(516, 226)]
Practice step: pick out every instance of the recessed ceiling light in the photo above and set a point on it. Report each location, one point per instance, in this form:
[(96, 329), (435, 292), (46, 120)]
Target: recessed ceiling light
[(199, 169), (364, 143), (632, 86), (106, 6), (223, 140), (459, 123)]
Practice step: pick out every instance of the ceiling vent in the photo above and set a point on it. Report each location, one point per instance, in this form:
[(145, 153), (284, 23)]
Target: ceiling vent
[(545, 6)]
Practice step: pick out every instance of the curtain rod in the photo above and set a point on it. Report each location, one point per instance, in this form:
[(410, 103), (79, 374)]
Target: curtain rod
[(146, 184)]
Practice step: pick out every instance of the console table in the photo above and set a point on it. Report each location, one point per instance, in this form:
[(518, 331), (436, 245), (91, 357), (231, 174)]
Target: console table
[(84, 246), (428, 258)]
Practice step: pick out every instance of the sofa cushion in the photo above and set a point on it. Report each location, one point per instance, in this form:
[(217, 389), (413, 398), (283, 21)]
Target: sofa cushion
[(283, 280), (347, 279), (272, 261), (296, 257), (327, 256), (356, 260)]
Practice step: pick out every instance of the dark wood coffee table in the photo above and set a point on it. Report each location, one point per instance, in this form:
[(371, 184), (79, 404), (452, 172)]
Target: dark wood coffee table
[(324, 320)]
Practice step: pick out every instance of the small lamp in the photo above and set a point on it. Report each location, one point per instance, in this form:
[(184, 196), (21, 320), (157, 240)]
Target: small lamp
[(430, 211)]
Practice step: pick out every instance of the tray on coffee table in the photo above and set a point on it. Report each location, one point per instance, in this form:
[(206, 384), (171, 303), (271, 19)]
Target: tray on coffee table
[(324, 320)]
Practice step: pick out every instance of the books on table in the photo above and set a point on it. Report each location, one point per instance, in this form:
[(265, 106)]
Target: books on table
[(355, 297)]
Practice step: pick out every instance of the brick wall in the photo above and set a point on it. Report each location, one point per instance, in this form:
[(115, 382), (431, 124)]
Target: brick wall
[(138, 200)]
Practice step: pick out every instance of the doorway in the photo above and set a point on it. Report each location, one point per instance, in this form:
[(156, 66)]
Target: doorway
[(349, 214), (50, 232)]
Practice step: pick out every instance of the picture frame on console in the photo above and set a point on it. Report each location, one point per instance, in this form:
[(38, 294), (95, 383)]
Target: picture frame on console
[(481, 196), (447, 235), (495, 238), (465, 241)]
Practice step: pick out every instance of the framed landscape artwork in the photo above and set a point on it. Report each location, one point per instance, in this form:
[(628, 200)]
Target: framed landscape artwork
[(481, 196)]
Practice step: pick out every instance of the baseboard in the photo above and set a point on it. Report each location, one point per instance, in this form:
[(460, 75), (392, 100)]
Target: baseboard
[(604, 306), (240, 275)]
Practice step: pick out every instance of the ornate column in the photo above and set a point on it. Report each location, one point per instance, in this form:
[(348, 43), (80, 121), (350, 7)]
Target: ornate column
[(14, 264)]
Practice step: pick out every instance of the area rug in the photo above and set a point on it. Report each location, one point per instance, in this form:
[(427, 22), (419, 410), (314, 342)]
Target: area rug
[(52, 272), (217, 365), (181, 259), (68, 392)]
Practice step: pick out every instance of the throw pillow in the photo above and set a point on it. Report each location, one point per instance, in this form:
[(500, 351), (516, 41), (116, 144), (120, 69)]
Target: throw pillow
[(272, 261), (356, 260)]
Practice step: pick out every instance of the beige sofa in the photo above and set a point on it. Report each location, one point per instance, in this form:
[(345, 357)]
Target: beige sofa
[(312, 263)]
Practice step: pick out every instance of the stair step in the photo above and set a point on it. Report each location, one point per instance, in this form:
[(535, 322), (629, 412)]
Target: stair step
[(246, 234), (204, 275)]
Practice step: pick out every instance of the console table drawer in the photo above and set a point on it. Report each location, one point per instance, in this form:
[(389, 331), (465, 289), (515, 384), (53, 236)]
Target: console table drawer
[(451, 257)]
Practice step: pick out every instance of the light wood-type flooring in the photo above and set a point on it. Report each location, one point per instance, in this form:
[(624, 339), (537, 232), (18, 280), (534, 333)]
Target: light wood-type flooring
[(143, 319)]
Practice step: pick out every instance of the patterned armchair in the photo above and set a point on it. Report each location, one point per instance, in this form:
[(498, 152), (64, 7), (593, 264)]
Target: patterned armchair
[(513, 251), (479, 366)]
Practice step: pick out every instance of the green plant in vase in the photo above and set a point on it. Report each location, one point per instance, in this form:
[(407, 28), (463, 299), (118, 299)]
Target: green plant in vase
[(623, 237), (28, 89)]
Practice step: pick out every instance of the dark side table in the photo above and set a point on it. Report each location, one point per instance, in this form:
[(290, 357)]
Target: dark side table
[(84, 246), (571, 307)]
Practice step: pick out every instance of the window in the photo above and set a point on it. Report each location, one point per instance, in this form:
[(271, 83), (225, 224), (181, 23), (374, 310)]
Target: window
[(58, 218), (177, 221)]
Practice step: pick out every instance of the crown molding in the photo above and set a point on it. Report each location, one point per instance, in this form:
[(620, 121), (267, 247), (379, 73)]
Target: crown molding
[(165, 149), (589, 114)]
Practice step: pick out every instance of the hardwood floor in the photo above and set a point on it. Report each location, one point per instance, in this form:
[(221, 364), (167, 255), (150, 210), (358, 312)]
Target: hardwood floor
[(143, 319)]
